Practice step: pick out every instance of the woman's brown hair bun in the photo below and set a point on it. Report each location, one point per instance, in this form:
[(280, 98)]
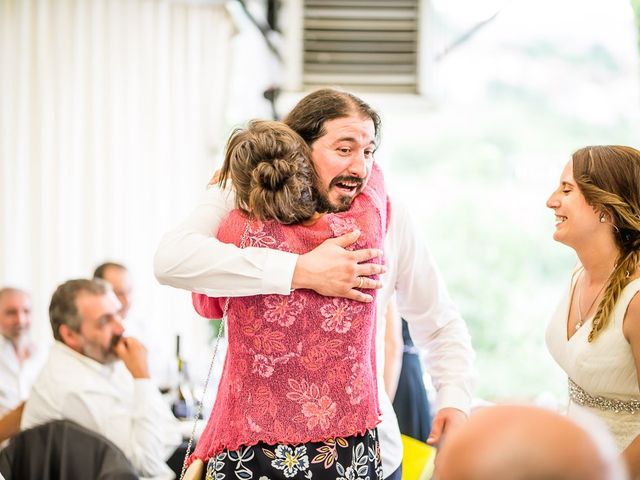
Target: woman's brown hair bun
[(273, 175), (270, 168)]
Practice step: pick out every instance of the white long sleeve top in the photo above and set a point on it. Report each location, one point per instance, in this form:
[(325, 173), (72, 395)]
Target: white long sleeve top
[(16, 379), (108, 400), (190, 257)]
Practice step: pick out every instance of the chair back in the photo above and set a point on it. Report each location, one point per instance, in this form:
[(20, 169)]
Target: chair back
[(61, 450), (10, 423), (417, 460)]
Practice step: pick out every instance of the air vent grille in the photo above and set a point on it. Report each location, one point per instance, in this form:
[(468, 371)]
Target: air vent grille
[(367, 45)]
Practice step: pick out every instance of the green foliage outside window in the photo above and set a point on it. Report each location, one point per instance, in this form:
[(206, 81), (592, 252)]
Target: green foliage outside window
[(477, 174), (635, 4)]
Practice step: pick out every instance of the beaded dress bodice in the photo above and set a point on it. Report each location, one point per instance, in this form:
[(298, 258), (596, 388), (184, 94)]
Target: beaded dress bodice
[(602, 374)]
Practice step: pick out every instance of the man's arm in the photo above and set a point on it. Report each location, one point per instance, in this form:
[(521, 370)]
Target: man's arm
[(434, 322), (190, 257), (393, 349)]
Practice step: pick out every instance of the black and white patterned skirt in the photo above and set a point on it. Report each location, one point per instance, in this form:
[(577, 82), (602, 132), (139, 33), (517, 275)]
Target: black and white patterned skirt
[(348, 458)]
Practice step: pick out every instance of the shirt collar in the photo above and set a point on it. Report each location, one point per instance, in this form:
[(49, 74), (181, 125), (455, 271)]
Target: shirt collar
[(103, 369), (8, 352), (7, 345), (4, 341)]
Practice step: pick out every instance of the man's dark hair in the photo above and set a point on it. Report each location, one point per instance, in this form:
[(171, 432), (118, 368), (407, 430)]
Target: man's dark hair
[(101, 269), (310, 114), (63, 309)]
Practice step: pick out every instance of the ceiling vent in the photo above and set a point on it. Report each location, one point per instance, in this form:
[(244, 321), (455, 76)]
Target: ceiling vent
[(365, 45)]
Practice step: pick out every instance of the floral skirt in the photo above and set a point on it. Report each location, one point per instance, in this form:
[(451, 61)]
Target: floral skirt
[(348, 458)]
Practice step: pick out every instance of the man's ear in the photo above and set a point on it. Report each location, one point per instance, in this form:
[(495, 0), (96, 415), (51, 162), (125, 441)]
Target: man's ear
[(70, 338)]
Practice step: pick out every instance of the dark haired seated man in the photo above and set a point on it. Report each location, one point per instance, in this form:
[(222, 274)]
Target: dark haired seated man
[(99, 379), (135, 322), (117, 275)]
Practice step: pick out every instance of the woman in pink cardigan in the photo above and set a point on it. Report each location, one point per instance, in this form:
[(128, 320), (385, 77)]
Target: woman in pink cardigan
[(298, 394)]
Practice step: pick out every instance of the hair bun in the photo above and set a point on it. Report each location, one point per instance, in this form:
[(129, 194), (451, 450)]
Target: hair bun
[(273, 175)]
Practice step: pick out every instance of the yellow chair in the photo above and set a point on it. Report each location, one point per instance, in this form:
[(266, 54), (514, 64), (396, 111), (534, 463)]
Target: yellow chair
[(417, 460)]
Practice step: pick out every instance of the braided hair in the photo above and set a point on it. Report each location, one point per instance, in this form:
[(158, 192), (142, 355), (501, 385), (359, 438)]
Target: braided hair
[(609, 178)]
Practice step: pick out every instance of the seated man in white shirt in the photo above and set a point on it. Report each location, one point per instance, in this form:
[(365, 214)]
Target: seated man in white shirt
[(117, 275), (99, 379), (120, 279), (20, 359)]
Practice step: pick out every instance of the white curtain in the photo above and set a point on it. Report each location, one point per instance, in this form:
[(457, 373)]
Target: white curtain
[(111, 118)]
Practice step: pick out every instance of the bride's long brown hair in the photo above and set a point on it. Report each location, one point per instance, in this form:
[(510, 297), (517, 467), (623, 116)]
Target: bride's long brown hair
[(609, 178)]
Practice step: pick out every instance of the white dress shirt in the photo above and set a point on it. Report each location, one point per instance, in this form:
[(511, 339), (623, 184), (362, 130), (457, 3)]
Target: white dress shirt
[(16, 379), (189, 257), (108, 400)]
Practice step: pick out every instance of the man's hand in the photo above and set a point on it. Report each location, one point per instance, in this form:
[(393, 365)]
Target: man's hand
[(446, 420), (134, 356), (214, 179), (333, 271)]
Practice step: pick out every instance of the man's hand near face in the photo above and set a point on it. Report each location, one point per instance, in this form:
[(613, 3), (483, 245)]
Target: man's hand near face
[(134, 356)]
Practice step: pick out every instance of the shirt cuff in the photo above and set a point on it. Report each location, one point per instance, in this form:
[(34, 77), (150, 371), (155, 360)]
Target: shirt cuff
[(278, 272), (453, 397)]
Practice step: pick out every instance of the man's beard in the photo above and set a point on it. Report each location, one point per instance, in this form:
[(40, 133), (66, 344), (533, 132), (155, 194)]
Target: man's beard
[(99, 353), (343, 203), (17, 336)]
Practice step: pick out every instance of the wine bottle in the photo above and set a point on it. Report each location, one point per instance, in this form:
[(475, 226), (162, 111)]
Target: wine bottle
[(184, 404)]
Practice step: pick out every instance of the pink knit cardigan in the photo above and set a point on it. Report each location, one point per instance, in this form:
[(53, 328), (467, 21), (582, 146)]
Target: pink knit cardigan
[(300, 367)]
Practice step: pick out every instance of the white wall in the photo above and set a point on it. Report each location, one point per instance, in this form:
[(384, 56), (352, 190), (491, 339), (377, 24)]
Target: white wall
[(111, 118)]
